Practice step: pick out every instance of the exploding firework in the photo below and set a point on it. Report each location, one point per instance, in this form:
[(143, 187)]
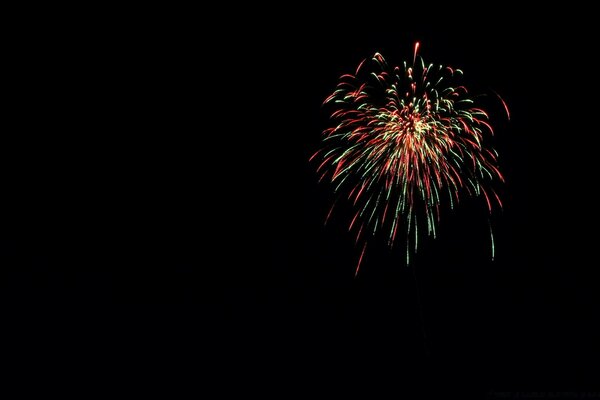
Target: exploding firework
[(405, 141)]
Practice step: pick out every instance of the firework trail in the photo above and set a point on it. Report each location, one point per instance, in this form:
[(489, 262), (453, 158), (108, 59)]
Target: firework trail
[(405, 141)]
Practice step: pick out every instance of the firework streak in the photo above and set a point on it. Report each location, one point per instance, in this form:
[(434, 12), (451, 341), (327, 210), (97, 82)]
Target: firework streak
[(406, 141)]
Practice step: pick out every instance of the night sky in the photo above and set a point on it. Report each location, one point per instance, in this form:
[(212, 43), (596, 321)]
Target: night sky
[(162, 227)]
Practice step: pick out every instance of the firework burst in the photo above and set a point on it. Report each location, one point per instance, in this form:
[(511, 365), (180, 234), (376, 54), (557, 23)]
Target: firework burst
[(405, 141)]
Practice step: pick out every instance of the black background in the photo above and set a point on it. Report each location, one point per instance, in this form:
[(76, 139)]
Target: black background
[(162, 227)]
